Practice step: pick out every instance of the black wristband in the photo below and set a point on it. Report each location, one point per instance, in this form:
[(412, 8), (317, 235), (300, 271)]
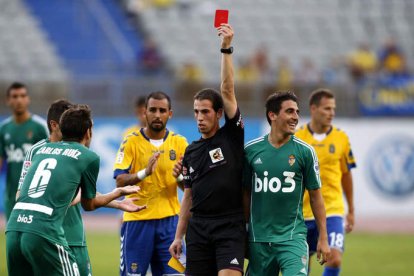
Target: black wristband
[(227, 50)]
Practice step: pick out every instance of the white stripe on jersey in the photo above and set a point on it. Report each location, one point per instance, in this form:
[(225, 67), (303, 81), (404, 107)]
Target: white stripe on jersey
[(33, 207), (29, 154), (314, 156), (41, 121), (254, 141)]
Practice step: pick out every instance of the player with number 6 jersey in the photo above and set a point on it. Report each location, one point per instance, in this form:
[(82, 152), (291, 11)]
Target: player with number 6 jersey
[(35, 240)]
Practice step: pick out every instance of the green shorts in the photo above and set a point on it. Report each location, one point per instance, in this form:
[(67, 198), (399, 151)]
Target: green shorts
[(82, 259), (290, 257), (30, 254)]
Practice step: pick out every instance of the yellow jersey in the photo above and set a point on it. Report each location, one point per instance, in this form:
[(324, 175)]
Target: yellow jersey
[(130, 130), (158, 190), (335, 158)]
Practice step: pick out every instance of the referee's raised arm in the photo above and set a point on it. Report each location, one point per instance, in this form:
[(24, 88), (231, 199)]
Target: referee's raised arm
[(226, 33)]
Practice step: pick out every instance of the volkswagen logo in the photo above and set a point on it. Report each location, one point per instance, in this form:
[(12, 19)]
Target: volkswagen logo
[(390, 165)]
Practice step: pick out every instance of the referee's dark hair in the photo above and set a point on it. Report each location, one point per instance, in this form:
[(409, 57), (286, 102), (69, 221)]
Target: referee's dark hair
[(158, 95), (212, 95), (75, 122), (275, 100), (56, 110), (318, 94), (15, 85)]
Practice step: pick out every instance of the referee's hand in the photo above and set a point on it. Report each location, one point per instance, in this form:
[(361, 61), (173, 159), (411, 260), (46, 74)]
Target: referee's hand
[(176, 248)]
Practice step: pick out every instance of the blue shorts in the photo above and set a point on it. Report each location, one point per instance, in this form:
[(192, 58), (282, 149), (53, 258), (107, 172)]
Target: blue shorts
[(336, 236), (146, 242)]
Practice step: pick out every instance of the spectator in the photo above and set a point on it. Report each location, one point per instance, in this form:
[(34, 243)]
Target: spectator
[(150, 58), (392, 59), (362, 62), (284, 74)]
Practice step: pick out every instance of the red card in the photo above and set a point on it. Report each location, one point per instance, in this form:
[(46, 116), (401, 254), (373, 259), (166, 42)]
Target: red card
[(222, 16)]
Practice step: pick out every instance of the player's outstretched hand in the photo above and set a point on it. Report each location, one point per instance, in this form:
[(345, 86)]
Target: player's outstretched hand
[(323, 251), (152, 163), (350, 222), (177, 168), (127, 190), (225, 31), (128, 205), (176, 248)]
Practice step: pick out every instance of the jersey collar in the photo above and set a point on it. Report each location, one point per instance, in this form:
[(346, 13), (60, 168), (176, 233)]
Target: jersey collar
[(311, 131), (148, 139)]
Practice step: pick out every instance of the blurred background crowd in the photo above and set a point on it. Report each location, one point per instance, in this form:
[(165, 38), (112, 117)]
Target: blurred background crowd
[(107, 52)]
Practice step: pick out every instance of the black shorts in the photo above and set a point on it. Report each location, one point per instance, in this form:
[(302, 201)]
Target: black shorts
[(214, 244)]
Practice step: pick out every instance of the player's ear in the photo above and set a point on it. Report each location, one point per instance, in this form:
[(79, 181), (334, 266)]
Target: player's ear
[(219, 113), (170, 114), (272, 115), (53, 125)]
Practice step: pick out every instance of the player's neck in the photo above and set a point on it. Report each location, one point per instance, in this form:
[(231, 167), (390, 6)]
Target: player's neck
[(155, 135), (319, 128), (53, 137), (21, 118), (277, 138)]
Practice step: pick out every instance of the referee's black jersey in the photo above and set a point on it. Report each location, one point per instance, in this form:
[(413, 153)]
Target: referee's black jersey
[(212, 168)]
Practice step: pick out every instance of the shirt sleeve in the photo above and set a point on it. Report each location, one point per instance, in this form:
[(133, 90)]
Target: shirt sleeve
[(235, 126), (27, 163), (124, 157), (88, 179), (311, 177), (347, 160)]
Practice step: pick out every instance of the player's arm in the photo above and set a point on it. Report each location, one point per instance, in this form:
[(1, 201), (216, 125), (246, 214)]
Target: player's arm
[(318, 209), (176, 246), (126, 204), (90, 204), (126, 179), (225, 31), (347, 186)]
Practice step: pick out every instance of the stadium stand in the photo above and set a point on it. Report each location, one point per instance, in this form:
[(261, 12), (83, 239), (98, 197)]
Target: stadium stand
[(297, 29), (25, 50)]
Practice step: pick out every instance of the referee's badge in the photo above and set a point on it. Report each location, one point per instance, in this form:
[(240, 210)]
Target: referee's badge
[(173, 155), (216, 155)]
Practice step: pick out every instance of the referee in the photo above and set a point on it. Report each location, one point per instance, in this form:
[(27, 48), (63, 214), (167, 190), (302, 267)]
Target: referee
[(211, 209)]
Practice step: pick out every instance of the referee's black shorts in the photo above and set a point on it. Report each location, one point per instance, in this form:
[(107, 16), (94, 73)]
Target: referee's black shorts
[(214, 244)]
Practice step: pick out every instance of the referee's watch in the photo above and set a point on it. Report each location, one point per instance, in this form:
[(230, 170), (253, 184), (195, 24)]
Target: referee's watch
[(227, 50)]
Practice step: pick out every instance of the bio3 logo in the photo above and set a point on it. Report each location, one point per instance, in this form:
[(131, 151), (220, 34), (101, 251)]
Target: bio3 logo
[(25, 219), (274, 184)]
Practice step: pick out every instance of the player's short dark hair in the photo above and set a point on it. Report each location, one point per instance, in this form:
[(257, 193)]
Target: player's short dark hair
[(158, 95), (56, 110), (275, 100), (140, 101), (212, 95), (14, 85), (318, 94), (75, 122)]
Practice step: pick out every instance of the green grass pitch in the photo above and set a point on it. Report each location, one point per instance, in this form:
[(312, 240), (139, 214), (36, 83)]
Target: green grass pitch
[(366, 254)]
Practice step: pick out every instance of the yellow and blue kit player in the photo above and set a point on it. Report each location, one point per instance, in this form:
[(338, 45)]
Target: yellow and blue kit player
[(146, 158), (336, 160)]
